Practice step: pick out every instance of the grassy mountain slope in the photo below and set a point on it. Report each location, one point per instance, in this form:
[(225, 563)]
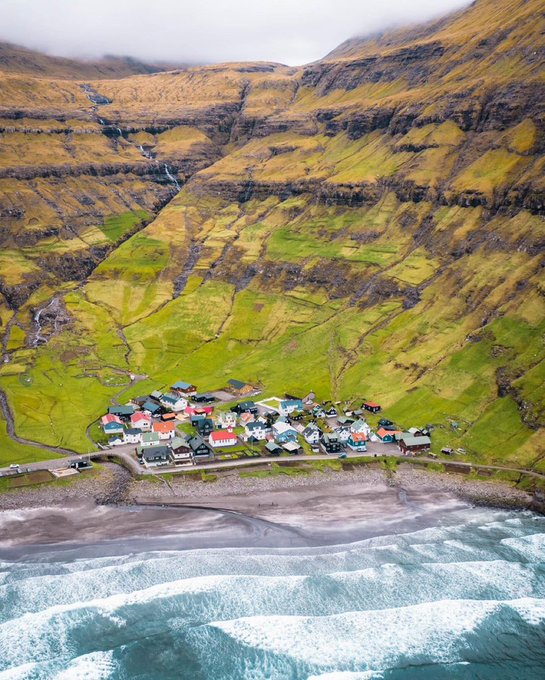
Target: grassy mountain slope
[(371, 225)]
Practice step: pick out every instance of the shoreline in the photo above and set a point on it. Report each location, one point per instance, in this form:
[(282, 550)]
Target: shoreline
[(303, 511)]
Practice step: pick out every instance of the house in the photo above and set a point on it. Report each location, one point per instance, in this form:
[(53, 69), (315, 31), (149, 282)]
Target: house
[(184, 389), (388, 436), (357, 441), (205, 426), (221, 438), (272, 449), (110, 418), (113, 428), (141, 420), (312, 434), (372, 406), (240, 388), (174, 402), (410, 445), (155, 455), (116, 440), (205, 398), (246, 418), (151, 407), (139, 401), (227, 419), (360, 426), (290, 405), (416, 432), (331, 412), (196, 419), (123, 412), (164, 430), (156, 395), (345, 420), (150, 439), (199, 410), (343, 433), (293, 447), (180, 451), (284, 433), (331, 443), (200, 448), (170, 416), (132, 436), (257, 429), (245, 407)]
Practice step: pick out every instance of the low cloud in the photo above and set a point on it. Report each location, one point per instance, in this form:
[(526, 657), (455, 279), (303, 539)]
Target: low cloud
[(288, 31)]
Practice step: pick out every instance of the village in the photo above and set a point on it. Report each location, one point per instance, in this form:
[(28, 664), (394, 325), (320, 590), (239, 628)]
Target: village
[(182, 427)]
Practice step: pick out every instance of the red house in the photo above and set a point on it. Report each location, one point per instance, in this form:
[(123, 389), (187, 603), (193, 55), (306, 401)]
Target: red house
[(199, 411), (372, 406), (223, 438)]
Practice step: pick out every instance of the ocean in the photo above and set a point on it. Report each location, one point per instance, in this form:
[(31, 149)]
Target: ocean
[(462, 597)]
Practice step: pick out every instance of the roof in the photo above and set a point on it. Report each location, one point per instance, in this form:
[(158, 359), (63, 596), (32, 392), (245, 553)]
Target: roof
[(110, 418), (382, 432), (139, 416), (291, 446), (256, 425), (246, 404), (281, 427), (372, 404), (182, 385), (222, 435), (196, 442), (171, 398), (237, 384), (416, 441), (122, 410), (133, 430), (148, 437), (156, 394), (154, 451), (309, 429), (290, 402), (271, 446), (151, 406), (164, 427), (359, 437), (114, 425), (179, 441)]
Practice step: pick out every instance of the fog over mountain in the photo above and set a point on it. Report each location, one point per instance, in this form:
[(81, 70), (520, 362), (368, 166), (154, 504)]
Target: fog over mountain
[(287, 31)]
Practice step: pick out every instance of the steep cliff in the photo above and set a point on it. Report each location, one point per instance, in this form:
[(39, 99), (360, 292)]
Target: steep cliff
[(368, 225)]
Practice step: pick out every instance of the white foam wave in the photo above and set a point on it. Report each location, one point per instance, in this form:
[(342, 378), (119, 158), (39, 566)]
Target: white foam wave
[(374, 639), (94, 666)]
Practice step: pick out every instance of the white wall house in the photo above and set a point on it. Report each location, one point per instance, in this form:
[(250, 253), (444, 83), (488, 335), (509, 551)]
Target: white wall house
[(258, 430), (174, 402)]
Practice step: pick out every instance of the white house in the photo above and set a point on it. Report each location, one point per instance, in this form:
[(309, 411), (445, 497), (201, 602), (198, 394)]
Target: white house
[(312, 434), (288, 406), (150, 439), (283, 432), (343, 433), (165, 430), (360, 426), (174, 402), (221, 438), (133, 436), (227, 419), (116, 440), (258, 430), (142, 421)]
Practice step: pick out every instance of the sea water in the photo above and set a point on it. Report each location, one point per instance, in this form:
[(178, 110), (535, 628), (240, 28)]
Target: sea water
[(464, 598)]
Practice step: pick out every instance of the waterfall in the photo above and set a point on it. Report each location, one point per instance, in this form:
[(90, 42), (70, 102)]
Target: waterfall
[(39, 338), (172, 178)]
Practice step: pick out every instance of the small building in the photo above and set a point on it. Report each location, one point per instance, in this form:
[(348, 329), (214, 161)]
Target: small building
[(132, 436), (142, 421), (343, 433), (199, 411), (288, 406), (201, 450), (360, 426), (331, 443), (372, 406), (257, 429), (113, 428), (246, 418), (284, 433), (154, 456), (357, 441), (164, 430), (410, 445), (272, 449), (227, 419), (196, 419), (240, 388), (204, 398), (221, 438), (123, 412), (312, 434), (116, 440), (151, 407), (180, 451), (174, 402), (331, 412), (156, 395), (184, 389), (150, 439), (294, 448), (205, 426), (245, 407), (345, 420), (170, 416), (110, 418), (388, 436)]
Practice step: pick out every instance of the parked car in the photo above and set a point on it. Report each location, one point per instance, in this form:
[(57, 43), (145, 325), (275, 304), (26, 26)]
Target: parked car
[(447, 450)]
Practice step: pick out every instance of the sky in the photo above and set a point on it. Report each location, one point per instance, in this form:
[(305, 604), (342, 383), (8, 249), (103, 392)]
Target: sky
[(205, 31)]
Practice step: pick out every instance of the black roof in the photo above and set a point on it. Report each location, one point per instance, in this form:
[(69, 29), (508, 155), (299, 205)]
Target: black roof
[(152, 452)]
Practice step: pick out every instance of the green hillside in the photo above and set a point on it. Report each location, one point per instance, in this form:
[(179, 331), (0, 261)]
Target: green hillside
[(371, 225)]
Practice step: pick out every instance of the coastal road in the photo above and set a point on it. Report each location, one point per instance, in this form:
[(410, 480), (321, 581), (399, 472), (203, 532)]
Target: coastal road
[(126, 455)]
